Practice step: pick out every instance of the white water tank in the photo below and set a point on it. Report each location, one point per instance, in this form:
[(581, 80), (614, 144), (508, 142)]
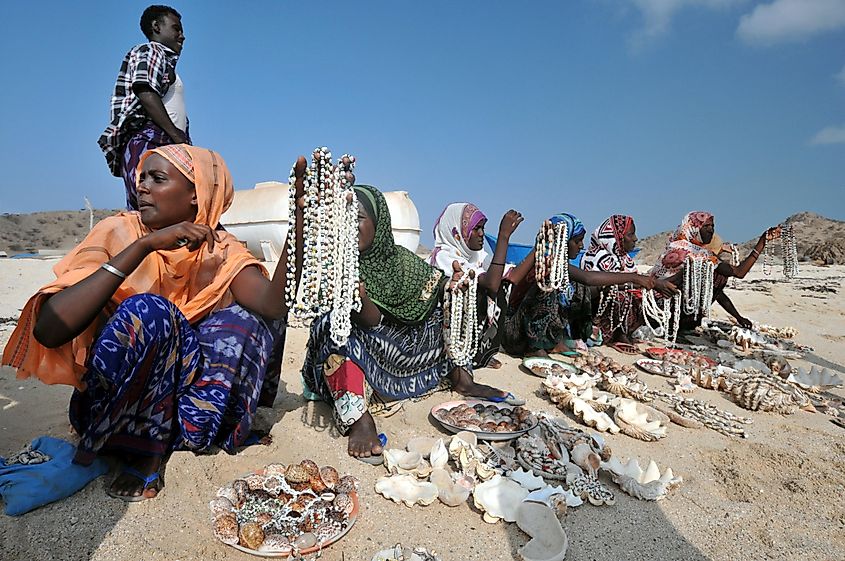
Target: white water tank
[(404, 219), (259, 217)]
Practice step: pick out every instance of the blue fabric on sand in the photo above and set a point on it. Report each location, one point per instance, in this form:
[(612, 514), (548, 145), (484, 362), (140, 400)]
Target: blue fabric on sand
[(26, 487)]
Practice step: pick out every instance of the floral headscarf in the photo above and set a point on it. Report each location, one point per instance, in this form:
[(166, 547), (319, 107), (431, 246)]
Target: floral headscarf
[(606, 251), (686, 240), (451, 232)]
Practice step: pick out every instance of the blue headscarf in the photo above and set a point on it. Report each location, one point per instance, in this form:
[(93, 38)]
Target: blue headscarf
[(574, 227)]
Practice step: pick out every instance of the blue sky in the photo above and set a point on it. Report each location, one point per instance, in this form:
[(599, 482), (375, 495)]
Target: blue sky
[(645, 107)]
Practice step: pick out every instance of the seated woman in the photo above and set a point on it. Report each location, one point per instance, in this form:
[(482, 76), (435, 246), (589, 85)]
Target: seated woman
[(459, 236), (396, 348), (691, 238), (160, 321), (610, 247), (538, 322)]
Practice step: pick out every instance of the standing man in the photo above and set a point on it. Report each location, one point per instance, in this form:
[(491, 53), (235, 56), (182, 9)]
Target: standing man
[(148, 104)]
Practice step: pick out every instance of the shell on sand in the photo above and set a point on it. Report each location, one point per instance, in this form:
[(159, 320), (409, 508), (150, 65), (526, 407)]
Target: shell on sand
[(421, 445), (638, 420), (401, 462), (527, 479), (816, 379), (645, 484), (450, 491), (499, 498), (548, 540), (592, 418), (407, 490), (767, 393)]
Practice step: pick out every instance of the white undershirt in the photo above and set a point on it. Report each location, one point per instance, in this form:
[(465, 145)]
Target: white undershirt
[(174, 102)]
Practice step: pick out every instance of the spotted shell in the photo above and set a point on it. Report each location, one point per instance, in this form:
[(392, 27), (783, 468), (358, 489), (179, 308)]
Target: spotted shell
[(274, 543), (228, 493), (330, 476), (263, 518), (254, 481), (347, 484), (241, 489), (251, 535), (275, 469), (343, 503), (226, 528), (312, 468), (220, 505), (316, 484), (325, 531), (306, 525), (273, 484), (295, 473)]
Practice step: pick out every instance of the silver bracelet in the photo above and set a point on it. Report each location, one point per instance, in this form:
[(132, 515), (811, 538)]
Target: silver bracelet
[(113, 270)]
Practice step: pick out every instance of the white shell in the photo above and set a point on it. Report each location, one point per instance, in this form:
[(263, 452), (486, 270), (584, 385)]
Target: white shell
[(583, 456), (406, 489), (499, 498), (527, 479), (638, 420), (439, 455), (816, 379), (450, 491), (548, 540), (421, 445), (401, 462), (570, 381), (460, 441), (645, 484), (592, 418), (545, 495)]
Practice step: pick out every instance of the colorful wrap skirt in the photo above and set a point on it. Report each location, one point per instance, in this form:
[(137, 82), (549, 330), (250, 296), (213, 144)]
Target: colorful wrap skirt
[(386, 363), (155, 383)]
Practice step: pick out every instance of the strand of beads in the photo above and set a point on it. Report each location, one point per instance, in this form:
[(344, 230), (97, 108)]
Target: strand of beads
[(735, 262), (551, 244), (329, 275), (698, 286), (790, 251), (663, 316), (464, 330)]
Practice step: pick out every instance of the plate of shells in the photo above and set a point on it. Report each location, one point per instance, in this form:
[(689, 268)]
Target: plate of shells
[(282, 510), (489, 421), (543, 367)]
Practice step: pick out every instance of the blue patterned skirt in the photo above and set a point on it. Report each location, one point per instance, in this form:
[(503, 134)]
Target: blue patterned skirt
[(155, 383)]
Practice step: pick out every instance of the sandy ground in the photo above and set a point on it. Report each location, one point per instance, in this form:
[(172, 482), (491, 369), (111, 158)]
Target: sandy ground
[(777, 495)]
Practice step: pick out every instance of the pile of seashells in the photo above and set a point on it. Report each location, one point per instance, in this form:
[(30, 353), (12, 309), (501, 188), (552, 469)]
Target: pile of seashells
[(284, 508), (595, 363), (486, 417)]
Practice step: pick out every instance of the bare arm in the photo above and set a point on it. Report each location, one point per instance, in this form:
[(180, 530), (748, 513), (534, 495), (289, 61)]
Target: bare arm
[(518, 273), (265, 297), (492, 279), (729, 307), (68, 313), (601, 278), (154, 107), (370, 315)]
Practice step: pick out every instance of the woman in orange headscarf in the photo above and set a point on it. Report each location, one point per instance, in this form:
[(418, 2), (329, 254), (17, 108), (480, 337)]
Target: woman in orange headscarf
[(162, 321)]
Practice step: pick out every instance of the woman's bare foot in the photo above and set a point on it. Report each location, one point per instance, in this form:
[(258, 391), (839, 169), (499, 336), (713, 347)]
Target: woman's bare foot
[(494, 363), (128, 485), (537, 352), (363, 438), (463, 384)]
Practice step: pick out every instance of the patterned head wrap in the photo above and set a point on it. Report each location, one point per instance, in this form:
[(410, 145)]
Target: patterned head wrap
[(606, 251), (451, 232), (684, 241), (402, 285)]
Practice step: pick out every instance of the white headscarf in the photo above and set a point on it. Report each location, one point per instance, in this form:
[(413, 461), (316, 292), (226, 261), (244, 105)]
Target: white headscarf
[(451, 231)]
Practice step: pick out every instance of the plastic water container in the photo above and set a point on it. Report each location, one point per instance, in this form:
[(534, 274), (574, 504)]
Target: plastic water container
[(404, 219)]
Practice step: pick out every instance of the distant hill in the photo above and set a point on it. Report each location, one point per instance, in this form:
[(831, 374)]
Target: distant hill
[(818, 239), (62, 229)]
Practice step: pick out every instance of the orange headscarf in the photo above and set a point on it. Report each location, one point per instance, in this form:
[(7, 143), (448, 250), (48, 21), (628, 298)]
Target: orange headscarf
[(196, 281)]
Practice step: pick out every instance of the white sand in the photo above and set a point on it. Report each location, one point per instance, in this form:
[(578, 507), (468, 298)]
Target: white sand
[(777, 495)]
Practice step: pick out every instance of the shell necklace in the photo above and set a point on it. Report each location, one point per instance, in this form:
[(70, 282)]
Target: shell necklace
[(698, 286), (789, 252), (329, 280), (662, 316), (551, 245), (462, 310)]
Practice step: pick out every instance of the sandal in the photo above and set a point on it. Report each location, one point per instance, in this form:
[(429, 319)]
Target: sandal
[(375, 459), (626, 348), (509, 399), (147, 480)]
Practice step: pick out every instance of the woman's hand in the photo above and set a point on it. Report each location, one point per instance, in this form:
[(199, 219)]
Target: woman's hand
[(645, 281), (184, 234), (455, 282), (744, 322), (770, 234), (510, 221), (665, 287)]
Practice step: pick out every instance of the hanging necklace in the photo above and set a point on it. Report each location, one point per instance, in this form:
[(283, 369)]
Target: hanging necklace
[(462, 310), (789, 252), (329, 277), (551, 244), (662, 316), (698, 286)]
